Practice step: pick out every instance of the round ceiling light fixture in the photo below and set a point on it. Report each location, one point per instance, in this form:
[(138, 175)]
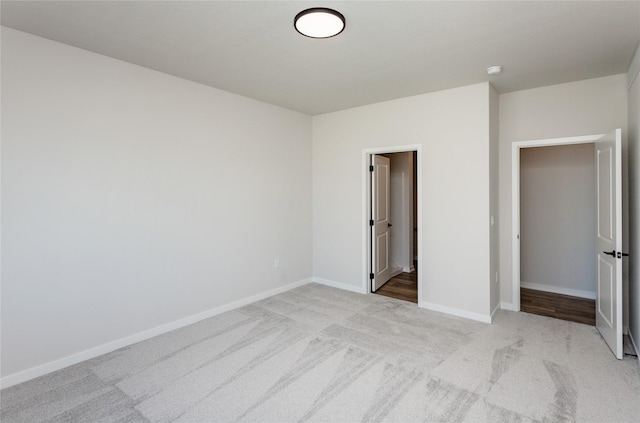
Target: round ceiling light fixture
[(319, 22)]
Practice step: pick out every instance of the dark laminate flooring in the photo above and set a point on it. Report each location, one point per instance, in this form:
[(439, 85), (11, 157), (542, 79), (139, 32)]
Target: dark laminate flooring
[(402, 287), (581, 310), (563, 307)]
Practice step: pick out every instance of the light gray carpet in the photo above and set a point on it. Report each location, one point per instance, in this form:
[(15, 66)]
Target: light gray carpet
[(321, 354)]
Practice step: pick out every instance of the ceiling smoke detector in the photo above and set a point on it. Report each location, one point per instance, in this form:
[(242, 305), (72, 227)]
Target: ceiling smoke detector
[(494, 70)]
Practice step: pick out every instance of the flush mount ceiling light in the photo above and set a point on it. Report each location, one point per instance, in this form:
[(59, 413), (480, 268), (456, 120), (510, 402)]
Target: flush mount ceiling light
[(319, 22)]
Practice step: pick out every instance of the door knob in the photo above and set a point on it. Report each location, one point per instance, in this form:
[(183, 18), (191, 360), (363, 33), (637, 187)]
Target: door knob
[(389, 225), (610, 253)]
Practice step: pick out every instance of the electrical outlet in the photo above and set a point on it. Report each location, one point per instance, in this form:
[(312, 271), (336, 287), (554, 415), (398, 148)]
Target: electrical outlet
[(276, 263)]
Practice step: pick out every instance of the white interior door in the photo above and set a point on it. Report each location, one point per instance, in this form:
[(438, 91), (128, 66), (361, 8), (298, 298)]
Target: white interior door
[(609, 240), (380, 183)]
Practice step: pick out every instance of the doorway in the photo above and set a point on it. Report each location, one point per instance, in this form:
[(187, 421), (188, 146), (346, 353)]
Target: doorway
[(557, 229), (608, 232), (392, 222), (393, 232)]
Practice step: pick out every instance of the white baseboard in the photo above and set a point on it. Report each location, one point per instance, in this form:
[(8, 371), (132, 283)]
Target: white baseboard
[(55, 365), (455, 312), (508, 306), (408, 269), (340, 285), (558, 290)]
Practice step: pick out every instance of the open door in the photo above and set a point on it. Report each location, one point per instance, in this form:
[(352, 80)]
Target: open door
[(380, 183), (608, 150)]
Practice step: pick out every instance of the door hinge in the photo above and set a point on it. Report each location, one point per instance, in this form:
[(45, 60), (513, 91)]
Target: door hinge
[(371, 222), (371, 275), (370, 168)]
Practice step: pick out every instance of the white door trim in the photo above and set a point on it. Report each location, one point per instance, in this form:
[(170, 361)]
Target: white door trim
[(515, 200), (366, 201)]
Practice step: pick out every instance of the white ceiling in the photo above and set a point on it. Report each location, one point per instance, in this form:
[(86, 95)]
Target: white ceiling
[(389, 49)]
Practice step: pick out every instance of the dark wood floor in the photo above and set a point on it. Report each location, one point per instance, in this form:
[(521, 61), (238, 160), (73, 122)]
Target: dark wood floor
[(402, 287), (405, 287), (563, 307)]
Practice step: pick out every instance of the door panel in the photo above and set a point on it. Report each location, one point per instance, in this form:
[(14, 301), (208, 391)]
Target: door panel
[(380, 229), (382, 258), (605, 195), (609, 239), (606, 284)]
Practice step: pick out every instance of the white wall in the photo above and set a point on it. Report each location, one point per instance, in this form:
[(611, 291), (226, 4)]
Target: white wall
[(452, 128), (132, 199), (593, 106), (634, 200), (558, 219), (401, 210)]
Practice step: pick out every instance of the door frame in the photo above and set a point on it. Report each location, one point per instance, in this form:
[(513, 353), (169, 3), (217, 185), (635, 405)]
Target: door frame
[(366, 210), (515, 199)]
